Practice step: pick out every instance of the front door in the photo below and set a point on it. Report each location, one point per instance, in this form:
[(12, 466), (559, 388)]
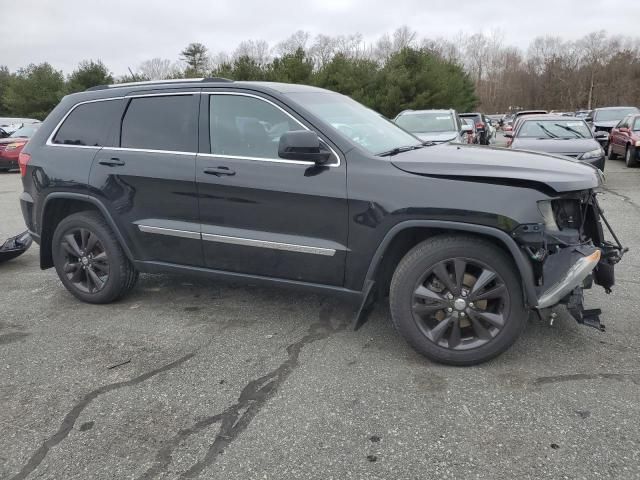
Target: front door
[(260, 214), (147, 181)]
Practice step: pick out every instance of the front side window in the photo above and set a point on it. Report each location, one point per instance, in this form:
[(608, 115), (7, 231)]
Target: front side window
[(161, 123), (427, 122), (360, 124), (243, 126), (636, 124), (88, 124)]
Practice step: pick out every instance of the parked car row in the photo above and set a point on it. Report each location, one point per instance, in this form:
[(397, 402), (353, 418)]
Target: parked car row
[(586, 135), (447, 126)]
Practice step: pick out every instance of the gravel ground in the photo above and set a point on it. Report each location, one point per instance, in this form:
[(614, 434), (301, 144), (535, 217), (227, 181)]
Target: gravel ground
[(188, 378)]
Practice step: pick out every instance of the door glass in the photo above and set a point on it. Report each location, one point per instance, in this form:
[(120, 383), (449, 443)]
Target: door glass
[(88, 124), (161, 123), (636, 125), (246, 126)]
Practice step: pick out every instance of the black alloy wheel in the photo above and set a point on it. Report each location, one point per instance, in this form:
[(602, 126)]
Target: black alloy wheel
[(89, 259), (458, 299), (86, 263), (460, 303)]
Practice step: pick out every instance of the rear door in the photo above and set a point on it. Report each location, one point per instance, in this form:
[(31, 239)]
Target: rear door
[(261, 214), (147, 181)]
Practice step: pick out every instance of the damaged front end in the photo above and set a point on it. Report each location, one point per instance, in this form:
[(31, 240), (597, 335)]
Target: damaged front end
[(569, 253)]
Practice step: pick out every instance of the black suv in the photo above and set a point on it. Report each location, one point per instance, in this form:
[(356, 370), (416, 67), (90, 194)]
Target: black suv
[(299, 186)]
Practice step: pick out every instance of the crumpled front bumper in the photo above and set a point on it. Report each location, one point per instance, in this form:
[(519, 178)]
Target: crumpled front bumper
[(582, 260)]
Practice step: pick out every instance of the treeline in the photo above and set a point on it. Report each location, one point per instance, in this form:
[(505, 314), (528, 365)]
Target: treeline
[(396, 72)]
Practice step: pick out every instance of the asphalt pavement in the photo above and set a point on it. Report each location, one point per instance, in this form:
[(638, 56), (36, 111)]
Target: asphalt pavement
[(188, 378)]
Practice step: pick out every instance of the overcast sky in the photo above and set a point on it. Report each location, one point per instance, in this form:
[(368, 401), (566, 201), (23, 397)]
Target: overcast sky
[(123, 33)]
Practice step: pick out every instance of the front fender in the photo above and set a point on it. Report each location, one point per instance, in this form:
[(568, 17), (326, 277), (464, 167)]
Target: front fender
[(522, 263)]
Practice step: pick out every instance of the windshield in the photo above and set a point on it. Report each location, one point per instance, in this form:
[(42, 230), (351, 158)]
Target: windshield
[(427, 122), (26, 131), (362, 125), (613, 114), (554, 129)]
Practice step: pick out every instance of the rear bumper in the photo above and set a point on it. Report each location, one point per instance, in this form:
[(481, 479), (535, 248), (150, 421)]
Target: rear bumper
[(8, 163)]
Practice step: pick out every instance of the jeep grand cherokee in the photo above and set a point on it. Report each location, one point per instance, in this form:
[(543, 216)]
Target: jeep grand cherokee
[(298, 186)]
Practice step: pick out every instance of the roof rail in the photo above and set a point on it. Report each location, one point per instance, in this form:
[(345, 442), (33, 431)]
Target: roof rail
[(159, 82)]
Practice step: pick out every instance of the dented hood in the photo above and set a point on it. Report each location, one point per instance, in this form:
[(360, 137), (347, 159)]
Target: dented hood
[(475, 162)]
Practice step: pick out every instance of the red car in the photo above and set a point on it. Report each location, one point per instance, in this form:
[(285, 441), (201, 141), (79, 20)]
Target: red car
[(11, 146), (624, 140)]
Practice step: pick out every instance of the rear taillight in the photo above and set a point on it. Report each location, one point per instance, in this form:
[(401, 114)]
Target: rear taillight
[(23, 161)]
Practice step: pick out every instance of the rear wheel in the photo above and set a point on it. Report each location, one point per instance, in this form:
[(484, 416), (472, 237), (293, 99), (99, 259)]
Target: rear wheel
[(610, 154), (631, 157), (457, 300), (89, 260)]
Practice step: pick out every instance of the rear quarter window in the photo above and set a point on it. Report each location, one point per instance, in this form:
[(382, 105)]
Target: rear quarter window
[(88, 124)]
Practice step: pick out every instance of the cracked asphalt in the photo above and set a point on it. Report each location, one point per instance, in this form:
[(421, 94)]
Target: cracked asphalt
[(188, 378)]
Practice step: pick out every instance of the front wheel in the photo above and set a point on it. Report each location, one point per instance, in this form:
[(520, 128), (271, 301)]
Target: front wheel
[(457, 300), (89, 260), (631, 157)]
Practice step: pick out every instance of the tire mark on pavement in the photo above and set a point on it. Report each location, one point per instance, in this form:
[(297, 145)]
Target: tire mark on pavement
[(70, 418), (254, 396), (619, 377), (624, 198)]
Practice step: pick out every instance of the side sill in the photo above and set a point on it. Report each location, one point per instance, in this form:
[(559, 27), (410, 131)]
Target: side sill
[(164, 267)]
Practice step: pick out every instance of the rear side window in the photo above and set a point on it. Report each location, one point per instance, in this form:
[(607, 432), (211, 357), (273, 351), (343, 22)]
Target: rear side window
[(88, 124), (161, 123)]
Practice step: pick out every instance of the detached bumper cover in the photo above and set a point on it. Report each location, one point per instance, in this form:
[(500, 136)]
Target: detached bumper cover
[(15, 246), (582, 262)]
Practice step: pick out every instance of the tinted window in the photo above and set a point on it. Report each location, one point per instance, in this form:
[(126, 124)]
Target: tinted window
[(88, 124), (160, 123), (246, 126)]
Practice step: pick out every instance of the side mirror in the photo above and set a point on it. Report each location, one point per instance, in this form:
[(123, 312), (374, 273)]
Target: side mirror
[(302, 145)]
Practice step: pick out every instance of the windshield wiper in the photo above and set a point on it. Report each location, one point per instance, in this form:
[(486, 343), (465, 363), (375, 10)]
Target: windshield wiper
[(546, 130), (407, 148), (572, 130)]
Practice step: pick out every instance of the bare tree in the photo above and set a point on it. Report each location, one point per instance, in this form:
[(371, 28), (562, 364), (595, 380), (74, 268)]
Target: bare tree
[(159, 69)]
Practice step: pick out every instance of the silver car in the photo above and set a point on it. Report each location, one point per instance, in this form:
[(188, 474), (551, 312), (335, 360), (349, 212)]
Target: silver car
[(440, 126)]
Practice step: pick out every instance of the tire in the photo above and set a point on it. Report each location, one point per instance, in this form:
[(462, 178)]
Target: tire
[(102, 259), (610, 154), (424, 332), (631, 157)]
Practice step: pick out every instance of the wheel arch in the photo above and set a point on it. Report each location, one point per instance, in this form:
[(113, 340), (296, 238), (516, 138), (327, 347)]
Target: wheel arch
[(404, 235), (59, 205)]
